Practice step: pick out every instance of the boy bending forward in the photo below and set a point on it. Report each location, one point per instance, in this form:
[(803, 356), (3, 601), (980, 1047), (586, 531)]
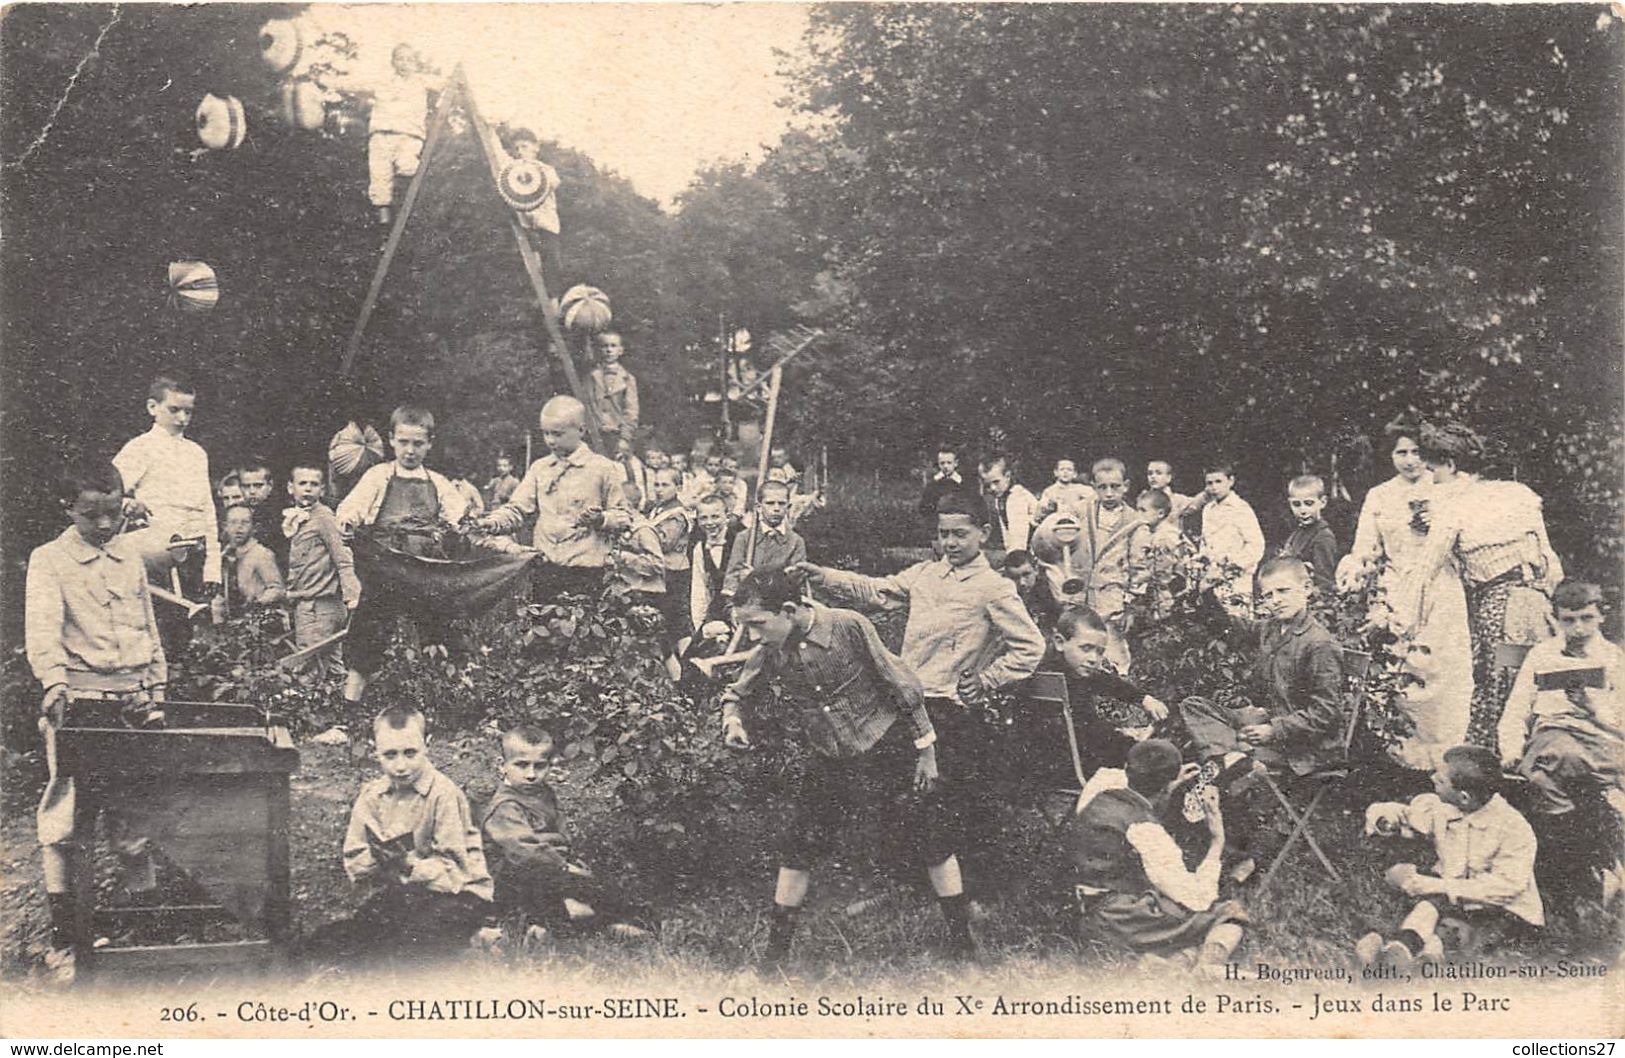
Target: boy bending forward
[(849, 691)]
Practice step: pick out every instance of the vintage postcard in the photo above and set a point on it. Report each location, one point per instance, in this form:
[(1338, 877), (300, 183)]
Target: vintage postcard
[(812, 520)]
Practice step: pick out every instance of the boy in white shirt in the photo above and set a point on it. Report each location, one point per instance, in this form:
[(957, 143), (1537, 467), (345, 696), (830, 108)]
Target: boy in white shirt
[(1486, 859), (166, 480), (1065, 491)]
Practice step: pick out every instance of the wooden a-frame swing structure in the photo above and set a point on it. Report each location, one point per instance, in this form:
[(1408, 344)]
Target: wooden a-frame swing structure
[(457, 89)]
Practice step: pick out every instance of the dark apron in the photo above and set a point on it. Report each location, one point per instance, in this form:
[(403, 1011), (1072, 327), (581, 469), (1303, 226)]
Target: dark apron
[(409, 517)]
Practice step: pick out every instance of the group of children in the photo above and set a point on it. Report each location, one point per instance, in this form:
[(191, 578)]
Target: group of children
[(1560, 732), (972, 632)]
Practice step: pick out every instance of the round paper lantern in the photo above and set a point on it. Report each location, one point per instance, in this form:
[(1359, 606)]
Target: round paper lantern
[(524, 184), (221, 124), (355, 448), (585, 309), (192, 286), (303, 106), (281, 44)]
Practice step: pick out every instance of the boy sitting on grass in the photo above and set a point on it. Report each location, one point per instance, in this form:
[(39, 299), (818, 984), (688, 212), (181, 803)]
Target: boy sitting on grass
[(538, 880), (850, 693), (1130, 874), (1486, 860), (413, 845)]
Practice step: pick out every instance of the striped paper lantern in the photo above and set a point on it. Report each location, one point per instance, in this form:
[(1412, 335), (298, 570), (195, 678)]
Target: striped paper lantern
[(221, 124), (524, 184), (585, 309), (303, 106), (192, 286), (281, 44)]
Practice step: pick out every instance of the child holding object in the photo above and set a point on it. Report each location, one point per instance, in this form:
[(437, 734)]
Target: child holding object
[(166, 481), (1131, 876), (413, 846), (538, 878), (1485, 871), (405, 505), (1564, 731), (90, 632), (322, 584)]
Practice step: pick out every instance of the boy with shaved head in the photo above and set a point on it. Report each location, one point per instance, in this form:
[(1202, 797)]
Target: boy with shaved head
[(576, 496)]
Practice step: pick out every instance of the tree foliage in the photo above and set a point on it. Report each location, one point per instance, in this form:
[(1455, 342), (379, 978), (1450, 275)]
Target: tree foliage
[(1161, 230)]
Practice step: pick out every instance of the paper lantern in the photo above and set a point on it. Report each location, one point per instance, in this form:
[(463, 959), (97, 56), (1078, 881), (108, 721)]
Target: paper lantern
[(303, 106), (281, 44), (192, 286), (354, 449), (525, 184), (585, 309), (221, 124)]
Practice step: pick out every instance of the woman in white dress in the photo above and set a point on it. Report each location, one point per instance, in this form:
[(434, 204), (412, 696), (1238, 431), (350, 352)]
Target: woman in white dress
[(1438, 650), (1495, 534)]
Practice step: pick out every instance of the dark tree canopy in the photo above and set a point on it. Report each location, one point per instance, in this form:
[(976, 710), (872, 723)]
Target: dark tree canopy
[(1148, 230)]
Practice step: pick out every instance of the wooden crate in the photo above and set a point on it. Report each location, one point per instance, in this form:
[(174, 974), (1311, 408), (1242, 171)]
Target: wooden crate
[(210, 791)]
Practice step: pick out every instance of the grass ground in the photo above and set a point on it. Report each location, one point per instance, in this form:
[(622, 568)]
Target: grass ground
[(712, 915), (718, 923)]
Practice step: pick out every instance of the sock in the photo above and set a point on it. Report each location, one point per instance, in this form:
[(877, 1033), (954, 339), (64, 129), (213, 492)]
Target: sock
[(956, 912), (783, 927), (61, 905)]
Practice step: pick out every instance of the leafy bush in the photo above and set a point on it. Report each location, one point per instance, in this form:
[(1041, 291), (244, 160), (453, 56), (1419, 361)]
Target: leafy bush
[(587, 669)]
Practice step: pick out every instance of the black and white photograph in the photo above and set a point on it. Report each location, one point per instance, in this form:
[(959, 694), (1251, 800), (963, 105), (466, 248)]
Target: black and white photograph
[(835, 520)]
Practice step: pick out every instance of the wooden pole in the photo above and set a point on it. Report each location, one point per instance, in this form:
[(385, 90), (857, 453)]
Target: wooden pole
[(527, 449), (533, 269), (727, 414), (288, 661), (762, 460), (806, 340), (761, 469), (394, 242)]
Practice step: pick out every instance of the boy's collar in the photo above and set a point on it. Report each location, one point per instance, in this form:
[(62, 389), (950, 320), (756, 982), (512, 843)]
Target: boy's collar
[(83, 550), (817, 630), (536, 788), (979, 562), (1480, 817), (1296, 625), (421, 784), (576, 458)]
